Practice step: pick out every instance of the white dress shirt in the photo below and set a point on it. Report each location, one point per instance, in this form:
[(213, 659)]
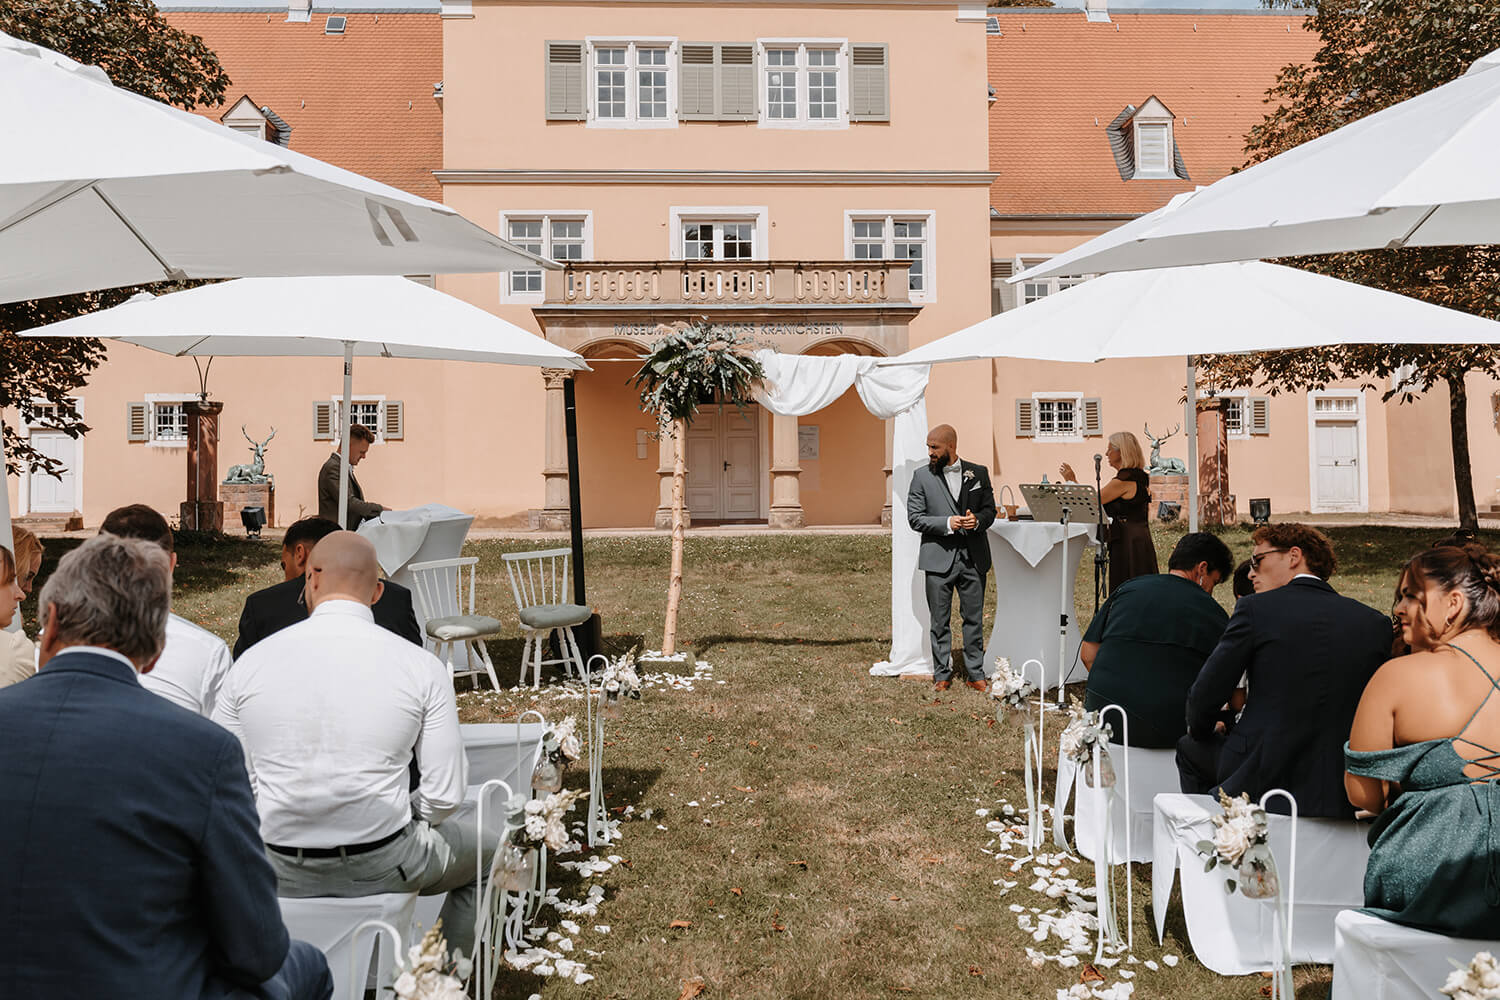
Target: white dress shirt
[(328, 711), (953, 478), (191, 668)]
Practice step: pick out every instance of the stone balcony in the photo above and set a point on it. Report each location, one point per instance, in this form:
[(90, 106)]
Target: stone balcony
[(718, 284)]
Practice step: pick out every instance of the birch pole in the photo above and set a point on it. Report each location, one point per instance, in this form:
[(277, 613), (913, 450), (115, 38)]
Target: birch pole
[(674, 581)]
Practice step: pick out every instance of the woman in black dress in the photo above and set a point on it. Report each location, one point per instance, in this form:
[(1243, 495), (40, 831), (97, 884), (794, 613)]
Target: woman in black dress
[(1127, 501)]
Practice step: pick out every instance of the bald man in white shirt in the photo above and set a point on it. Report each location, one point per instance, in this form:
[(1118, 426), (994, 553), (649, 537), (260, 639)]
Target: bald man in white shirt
[(328, 711)]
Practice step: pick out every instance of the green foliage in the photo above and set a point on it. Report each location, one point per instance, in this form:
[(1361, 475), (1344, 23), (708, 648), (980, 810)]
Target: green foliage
[(1376, 53), (695, 364), (141, 52)]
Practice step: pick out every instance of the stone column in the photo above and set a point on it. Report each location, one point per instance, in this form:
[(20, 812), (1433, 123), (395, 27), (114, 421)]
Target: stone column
[(890, 463), (202, 510), (556, 514), (786, 468), (664, 455), (1216, 505)]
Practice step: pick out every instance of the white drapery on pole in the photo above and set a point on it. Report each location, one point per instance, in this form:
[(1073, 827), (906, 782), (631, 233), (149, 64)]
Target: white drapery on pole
[(797, 385)]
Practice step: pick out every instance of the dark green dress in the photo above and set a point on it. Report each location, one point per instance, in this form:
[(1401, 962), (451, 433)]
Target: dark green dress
[(1435, 851), (1154, 633)]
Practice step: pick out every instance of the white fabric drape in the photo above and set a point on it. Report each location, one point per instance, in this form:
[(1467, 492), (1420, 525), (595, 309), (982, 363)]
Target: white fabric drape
[(800, 384)]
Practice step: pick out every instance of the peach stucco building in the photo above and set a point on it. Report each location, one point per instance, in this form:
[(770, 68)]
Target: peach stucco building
[(825, 177)]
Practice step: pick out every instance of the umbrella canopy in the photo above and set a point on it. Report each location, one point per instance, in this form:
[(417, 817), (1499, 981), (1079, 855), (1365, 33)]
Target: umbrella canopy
[(1419, 173), (1253, 306), (341, 316), (100, 187)]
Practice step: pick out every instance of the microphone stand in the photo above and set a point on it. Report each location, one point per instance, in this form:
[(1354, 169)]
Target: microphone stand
[(1101, 550)]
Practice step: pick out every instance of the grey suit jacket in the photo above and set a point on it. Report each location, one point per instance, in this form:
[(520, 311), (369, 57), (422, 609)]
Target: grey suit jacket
[(929, 505), (328, 495)]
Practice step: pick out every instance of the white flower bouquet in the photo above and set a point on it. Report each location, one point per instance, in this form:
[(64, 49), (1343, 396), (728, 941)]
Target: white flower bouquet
[(1084, 732), (1011, 691), (619, 681), (428, 975), (562, 740), (1241, 844), (546, 818), (1479, 980)]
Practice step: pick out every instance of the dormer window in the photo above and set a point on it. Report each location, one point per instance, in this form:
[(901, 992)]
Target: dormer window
[(261, 122), (1143, 143)]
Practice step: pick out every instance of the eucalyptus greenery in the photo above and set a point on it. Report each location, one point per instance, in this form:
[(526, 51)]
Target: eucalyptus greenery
[(695, 364)]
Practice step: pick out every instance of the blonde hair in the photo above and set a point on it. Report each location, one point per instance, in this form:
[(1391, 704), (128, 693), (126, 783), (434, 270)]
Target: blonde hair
[(1130, 450), (28, 551)]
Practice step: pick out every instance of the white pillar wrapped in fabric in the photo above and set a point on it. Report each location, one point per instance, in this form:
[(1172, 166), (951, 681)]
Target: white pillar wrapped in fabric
[(799, 384)]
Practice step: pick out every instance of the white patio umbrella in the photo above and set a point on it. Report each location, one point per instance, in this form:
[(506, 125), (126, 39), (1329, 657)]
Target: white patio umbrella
[(1208, 309), (1419, 173), (100, 187), (318, 317)]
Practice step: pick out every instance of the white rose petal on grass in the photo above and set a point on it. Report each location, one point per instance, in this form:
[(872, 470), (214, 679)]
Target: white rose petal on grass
[(1170, 960), (1152, 965)]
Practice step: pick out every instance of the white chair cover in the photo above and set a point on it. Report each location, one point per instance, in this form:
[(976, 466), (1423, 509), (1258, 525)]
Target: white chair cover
[(1152, 772), (328, 924), (1235, 936), (1374, 959), (493, 748)]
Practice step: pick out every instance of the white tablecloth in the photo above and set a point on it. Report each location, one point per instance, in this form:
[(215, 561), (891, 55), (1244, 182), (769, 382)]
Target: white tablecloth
[(1235, 936), (431, 531), (1377, 960), (1028, 594)]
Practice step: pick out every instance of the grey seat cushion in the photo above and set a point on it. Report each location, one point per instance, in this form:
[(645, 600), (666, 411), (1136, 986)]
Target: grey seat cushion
[(555, 615), (452, 628)]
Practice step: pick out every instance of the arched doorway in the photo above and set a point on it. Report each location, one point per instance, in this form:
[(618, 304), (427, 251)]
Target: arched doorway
[(617, 445)]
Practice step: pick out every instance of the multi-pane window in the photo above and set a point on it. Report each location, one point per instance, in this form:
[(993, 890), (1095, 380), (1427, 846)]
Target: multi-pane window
[(632, 82), (560, 237), (1040, 288), (366, 413), (1234, 415), (726, 240), (169, 422), (802, 83), (1057, 417), (894, 237)]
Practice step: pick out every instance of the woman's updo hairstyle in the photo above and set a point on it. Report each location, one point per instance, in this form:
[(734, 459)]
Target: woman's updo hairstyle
[(1471, 569)]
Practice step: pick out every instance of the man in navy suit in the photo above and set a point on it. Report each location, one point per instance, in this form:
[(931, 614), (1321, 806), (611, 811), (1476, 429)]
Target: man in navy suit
[(131, 864), (951, 505), (1309, 653)]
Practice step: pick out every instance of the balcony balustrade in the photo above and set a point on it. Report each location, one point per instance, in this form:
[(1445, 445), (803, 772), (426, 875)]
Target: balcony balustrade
[(649, 284)]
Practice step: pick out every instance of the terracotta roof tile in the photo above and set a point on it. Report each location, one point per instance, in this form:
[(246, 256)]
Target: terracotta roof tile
[(361, 100), (1060, 81)]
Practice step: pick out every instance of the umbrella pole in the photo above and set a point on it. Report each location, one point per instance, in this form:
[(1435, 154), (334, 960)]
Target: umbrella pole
[(346, 419), (1191, 416)]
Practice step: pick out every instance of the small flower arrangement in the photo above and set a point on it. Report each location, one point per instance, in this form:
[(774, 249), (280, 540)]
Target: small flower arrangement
[(1241, 844), (545, 818), (1479, 980), (1084, 732), (561, 740), (1010, 689), (427, 973), (619, 680)]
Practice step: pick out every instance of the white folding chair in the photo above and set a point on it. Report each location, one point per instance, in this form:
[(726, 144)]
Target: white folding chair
[(445, 599), (539, 581), (333, 926)]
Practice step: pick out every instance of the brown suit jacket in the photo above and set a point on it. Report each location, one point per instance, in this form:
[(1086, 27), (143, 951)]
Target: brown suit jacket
[(328, 495)]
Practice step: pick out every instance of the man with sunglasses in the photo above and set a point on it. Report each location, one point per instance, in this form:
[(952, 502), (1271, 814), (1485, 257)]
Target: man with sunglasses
[(1309, 653)]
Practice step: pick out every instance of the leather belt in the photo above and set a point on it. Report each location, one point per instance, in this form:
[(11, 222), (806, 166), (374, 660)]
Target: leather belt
[(336, 852)]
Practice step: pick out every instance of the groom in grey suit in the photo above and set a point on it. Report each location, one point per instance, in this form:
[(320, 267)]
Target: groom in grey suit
[(952, 505)]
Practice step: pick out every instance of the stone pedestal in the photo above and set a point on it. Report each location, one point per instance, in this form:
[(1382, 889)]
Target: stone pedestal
[(1215, 503), (202, 510), (786, 472), (556, 513), (237, 496), (1173, 489)]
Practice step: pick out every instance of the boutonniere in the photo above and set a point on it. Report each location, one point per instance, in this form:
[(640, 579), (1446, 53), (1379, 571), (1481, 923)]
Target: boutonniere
[(968, 474)]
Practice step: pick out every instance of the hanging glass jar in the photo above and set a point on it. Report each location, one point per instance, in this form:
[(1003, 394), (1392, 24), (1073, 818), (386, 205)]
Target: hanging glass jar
[(1018, 714), (612, 704), (1257, 873), (1106, 770), (547, 778), (517, 868)]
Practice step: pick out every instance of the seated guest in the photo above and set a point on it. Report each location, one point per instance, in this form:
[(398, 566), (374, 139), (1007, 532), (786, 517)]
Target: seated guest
[(1308, 653), (194, 662), (270, 610), (1422, 753), (133, 866), (19, 662), (1146, 645), (17, 652), (328, 711), (1244, 580)]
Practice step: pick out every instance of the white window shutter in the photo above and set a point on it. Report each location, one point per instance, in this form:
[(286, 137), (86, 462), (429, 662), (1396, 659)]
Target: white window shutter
[(1093, 421), (393, 420), (1260, 414), (325, 421), (1154, 156), (870, 83), (737, 86), (1025, 418), (696, 71), (137, 421), (564, 84)]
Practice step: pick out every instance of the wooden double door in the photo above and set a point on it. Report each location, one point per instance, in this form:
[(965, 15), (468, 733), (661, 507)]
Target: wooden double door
[(723, 465)]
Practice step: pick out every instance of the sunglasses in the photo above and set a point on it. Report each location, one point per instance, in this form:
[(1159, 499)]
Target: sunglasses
[(1255, 559)]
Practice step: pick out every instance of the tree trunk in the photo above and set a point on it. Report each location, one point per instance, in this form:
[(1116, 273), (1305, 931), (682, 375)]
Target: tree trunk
[(674, 585), (1463, 473)]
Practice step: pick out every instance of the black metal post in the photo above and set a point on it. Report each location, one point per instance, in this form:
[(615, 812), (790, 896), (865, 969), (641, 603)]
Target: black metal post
[(590, 636)]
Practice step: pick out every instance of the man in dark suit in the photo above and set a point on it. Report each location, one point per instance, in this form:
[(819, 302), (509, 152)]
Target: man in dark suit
[(1309, 653), (133, 865), (952, 505), (270, 610), (360, 509)]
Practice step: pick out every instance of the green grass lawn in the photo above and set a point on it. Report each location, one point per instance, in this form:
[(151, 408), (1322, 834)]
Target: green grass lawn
[(834, 851)]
